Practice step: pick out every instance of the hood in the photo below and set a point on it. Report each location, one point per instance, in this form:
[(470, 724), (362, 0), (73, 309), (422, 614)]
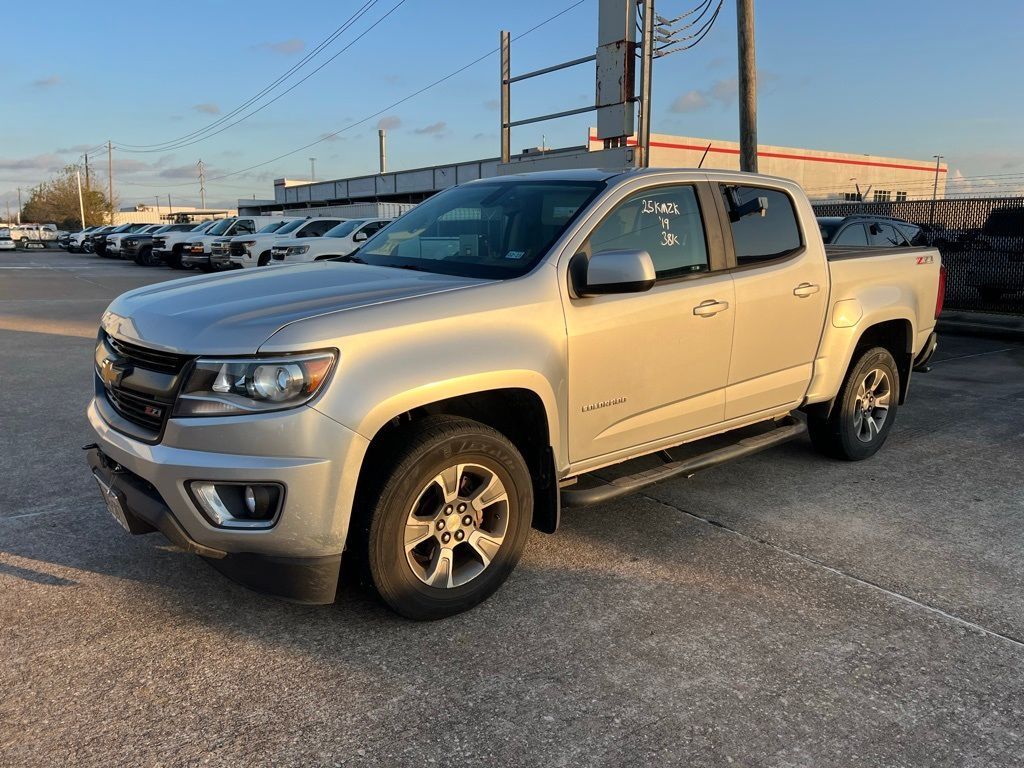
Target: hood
[(235, 312), (287, 242)]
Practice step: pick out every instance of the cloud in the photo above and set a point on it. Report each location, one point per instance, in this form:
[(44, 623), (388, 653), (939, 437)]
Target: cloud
[(722, 93), (285, 47), (181, 172), (210, 109), (492, 105), (434, 129), (47, 82), (48, 162), (691, 101), (74, 149), (389, 121)]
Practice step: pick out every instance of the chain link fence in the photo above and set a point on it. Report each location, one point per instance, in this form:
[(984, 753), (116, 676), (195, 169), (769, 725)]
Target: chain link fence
[(981, 241)]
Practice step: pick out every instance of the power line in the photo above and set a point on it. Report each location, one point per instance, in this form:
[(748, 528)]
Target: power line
[(297, 66), (391, 106), (283, 93)]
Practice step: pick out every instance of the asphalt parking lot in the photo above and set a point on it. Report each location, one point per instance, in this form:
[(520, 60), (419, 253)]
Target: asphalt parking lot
[(782, 611)]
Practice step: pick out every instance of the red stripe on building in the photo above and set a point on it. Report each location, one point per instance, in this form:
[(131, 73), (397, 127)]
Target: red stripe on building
[(785, 156)]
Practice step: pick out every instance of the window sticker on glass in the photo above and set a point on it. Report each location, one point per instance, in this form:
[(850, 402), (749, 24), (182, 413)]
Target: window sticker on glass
[(515, 255)]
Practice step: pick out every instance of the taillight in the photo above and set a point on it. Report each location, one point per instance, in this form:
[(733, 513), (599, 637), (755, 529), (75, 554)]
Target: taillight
[(940, 297)]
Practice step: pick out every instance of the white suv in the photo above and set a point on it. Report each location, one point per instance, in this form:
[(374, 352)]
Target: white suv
[(339, 241)]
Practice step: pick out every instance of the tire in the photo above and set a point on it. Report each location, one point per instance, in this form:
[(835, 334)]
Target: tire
[(848, 433), (174, 262), (264, 259), (425, 493)]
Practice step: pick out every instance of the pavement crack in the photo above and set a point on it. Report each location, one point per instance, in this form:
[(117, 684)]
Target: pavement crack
[(1016, 641)]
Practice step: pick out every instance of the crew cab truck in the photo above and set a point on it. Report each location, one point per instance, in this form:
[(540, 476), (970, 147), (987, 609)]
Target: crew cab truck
[(168, 246), (419, 404), (340, 240)]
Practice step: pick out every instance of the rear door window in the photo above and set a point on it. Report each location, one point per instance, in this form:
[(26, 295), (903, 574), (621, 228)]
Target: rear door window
[(772, 234), (853, 234), (666, 222)]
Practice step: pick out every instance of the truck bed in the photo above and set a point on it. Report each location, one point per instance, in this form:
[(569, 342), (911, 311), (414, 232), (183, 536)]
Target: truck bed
[(837, 252)]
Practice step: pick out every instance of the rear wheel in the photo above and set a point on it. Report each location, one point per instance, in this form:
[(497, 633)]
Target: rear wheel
[(448, 521), (865, 410)]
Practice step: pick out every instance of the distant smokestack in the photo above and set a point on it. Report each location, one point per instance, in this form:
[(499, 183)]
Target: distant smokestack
[(383, 149)]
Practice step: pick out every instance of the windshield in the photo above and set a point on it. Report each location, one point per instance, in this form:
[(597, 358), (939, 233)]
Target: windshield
[(122, 228), (493, 230), (271, 227), (291, 226), (220, 227), (202, 226), (345, 228)]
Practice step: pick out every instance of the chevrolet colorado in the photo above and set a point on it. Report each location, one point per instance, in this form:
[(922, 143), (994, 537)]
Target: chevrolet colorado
[(421, 403)]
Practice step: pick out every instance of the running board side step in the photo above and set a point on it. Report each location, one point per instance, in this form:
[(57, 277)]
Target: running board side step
[(788, 429)]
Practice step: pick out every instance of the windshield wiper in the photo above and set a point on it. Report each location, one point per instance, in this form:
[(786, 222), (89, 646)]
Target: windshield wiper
[(350, 259)]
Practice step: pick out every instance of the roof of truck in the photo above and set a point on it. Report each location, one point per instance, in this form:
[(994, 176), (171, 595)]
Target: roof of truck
[(605, 174)]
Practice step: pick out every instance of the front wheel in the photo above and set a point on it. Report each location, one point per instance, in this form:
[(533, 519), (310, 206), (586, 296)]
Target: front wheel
[(865, 410), (264, 259), (449, 520)]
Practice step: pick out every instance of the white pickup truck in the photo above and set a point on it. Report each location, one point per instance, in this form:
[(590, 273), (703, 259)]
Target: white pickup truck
[(256, 251), (422, 403), (340, 240)]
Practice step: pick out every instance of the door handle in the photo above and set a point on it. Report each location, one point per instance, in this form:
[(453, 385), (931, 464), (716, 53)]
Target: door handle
[(710, 307), (805, 289)]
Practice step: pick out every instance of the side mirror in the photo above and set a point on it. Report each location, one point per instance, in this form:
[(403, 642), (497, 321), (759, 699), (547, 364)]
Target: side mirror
[(358, 237), (625, 271)]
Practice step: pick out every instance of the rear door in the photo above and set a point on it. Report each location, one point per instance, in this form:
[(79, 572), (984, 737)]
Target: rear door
[(781, 285)]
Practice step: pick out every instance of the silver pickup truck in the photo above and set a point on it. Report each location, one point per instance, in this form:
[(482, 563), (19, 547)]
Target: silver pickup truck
[(420, 404)]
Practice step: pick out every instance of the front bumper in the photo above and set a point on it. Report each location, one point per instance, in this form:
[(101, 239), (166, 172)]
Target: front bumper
[(313, 457), (189, 259)]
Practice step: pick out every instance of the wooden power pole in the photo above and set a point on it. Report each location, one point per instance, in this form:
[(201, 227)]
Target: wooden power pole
[(747, 84)]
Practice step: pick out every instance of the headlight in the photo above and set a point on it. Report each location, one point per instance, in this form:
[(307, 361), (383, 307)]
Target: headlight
[(231, 387), (248, 243), (297, 249)]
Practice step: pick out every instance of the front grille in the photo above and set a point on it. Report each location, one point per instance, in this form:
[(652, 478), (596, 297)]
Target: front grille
[(237, 249), (143, 357), (138, 409)]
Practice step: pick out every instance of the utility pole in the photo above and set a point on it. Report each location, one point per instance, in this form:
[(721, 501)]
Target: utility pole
[(646, 84), (747, 85), (8, 211), (86, 156), (19, 205), (110, 179), (506, 107), (312, 169), (170, 209), (202, 185), (157, 205), (382, 136), (81, 205), (935, 187)]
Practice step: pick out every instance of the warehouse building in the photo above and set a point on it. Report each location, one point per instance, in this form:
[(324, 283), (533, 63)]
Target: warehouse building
[(826, 175)]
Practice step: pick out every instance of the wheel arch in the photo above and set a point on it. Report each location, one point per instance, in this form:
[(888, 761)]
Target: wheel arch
[(520, 413), (893, 332)]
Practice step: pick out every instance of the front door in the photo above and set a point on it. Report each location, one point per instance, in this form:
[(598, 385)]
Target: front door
[(647, 366)]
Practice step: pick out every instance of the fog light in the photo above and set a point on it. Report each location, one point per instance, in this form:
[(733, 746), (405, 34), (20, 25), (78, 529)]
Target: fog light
[(238, 505)]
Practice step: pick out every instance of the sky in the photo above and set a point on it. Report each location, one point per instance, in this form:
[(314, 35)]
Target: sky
[(912, 78)]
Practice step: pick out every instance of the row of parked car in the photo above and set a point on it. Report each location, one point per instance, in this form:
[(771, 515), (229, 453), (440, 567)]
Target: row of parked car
[(232, 243)]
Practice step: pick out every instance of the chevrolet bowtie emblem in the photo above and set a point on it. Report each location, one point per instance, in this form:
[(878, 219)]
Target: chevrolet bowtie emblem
[(113, 371)]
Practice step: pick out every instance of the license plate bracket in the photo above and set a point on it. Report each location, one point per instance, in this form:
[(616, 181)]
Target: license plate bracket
[(113, 501)]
